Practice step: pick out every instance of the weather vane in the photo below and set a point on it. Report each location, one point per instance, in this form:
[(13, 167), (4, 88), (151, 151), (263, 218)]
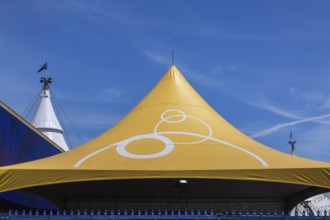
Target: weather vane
[(45, 80)]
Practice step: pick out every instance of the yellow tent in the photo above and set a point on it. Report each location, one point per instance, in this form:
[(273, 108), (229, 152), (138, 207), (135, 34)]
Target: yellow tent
[(171, 134)]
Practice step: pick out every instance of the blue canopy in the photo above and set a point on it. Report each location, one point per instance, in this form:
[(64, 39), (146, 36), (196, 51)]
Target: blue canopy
[(21, 142)]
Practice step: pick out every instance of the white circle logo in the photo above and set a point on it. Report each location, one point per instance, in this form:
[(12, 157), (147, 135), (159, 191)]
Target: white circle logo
[(169, 146), (172, 116), (179, 114)]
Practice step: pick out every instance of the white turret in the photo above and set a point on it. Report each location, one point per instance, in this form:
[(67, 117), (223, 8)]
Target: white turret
[(45, 119)]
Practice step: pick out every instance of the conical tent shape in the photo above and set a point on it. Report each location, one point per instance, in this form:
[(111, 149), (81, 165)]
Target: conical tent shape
[(171, 133), (45, 120)]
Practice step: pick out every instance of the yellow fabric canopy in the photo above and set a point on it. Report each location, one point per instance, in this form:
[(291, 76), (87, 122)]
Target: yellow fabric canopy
[(171, 133)]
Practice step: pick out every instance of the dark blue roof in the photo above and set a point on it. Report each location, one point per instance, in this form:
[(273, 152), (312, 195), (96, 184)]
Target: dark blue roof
[(20, 141)]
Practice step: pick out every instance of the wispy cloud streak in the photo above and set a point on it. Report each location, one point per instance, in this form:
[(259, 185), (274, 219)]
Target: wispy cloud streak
[(288, 124), (95, 11), (274, 109), (160, 59)]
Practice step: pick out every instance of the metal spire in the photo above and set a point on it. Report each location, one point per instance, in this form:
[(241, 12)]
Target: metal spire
[(172, 57), (292, 142)]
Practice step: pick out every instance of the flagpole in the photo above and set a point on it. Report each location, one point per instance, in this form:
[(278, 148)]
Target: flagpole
[(44, 80), (46, 71)]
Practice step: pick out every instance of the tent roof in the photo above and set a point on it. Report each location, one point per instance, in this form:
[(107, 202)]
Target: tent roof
[(20, 141), (45, 120), (171, 133)]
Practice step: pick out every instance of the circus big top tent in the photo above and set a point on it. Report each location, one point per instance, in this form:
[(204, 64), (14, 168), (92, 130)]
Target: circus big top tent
[(172, 150)]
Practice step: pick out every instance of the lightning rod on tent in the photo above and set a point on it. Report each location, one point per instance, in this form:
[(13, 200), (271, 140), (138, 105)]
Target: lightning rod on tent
[(292, 142)]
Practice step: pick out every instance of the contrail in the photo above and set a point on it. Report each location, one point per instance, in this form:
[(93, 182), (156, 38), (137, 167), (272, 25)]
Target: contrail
[(273, 109), (288, 124)]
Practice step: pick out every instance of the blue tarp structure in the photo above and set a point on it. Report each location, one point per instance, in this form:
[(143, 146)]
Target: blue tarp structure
[(20, 141)]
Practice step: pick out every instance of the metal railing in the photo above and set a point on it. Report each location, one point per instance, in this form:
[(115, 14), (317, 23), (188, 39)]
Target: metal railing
[(152, 214)]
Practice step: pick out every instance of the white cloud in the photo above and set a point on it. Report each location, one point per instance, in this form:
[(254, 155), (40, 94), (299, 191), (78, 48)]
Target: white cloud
[(205, 79), (273, 109), (100, 96), (288, 124), (15, 94), (86, 125), (216, 33), (312, 99), (96, 12), (109, 93), (221, 31), (88, 10), (326, 103), (314, 143), (218, 68), (96, 121), (160, 59)]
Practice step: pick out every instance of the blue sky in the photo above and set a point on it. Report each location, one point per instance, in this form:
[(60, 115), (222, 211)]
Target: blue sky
[(263, 65)]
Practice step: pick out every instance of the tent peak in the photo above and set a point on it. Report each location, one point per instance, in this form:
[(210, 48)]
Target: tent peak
[(173, 72), (45, 119)]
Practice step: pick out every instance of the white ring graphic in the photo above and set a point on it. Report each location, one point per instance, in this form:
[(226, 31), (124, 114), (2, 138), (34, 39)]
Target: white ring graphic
[(184, 117), (169, 146), (162, 116), (183, 133)]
